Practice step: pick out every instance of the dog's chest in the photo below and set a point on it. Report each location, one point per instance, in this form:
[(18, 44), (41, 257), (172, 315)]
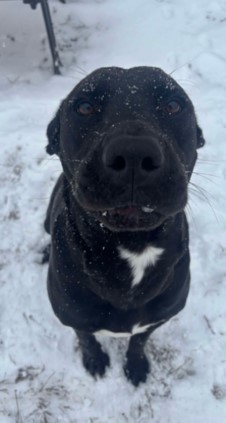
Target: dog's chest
[(116, 262), (138, 263)]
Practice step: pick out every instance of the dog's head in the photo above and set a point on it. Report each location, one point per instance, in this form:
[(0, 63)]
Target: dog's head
[(127, 140)]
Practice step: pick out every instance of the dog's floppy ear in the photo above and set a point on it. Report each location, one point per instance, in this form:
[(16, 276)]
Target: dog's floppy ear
[(53, 134), (200, 138)]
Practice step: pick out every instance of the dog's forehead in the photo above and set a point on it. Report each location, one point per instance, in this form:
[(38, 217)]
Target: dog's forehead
[(118, 80)]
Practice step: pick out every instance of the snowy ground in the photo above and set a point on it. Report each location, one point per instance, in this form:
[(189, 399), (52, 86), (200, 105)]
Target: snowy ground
[(41, 376)]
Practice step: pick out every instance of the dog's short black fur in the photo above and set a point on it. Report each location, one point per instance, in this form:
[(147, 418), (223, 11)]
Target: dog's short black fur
[(119, 258)]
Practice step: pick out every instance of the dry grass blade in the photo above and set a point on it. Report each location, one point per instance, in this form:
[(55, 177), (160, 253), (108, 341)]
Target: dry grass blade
[(18, 415)]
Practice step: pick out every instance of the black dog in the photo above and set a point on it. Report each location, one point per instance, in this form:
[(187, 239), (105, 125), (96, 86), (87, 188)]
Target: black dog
[(119, 259)]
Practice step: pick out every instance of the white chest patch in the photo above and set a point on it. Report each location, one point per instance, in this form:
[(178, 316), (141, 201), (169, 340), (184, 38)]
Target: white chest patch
[(135, 330), (138, 262)]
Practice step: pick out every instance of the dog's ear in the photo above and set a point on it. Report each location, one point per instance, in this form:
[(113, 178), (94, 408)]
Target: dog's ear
[(200, 137), (53, 134)]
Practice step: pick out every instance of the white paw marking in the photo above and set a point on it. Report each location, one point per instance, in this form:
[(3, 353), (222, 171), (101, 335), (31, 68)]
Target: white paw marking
[(135, 330), (138, 262)]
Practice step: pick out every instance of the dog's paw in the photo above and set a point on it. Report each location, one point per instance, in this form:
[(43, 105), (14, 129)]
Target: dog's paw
[(136, 369), (96, 365)]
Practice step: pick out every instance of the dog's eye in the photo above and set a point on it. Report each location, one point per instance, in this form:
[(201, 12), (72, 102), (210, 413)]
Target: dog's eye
[(85, 108), (172, 107)]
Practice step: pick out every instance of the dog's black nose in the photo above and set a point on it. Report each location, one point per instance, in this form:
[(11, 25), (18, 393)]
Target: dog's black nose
[(140, 154)]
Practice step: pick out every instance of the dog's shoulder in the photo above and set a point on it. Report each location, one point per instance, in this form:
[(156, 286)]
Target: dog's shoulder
[(56, 204)]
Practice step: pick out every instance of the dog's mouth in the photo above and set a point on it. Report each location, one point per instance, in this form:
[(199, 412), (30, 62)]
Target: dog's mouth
[(129, 218)]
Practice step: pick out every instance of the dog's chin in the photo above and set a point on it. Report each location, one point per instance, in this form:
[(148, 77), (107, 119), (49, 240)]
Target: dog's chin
[(129, 218)]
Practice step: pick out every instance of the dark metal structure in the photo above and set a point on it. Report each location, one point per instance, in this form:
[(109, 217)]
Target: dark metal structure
[(50, 32)]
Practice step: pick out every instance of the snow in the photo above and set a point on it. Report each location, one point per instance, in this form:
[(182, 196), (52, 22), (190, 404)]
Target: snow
[(41, 376)]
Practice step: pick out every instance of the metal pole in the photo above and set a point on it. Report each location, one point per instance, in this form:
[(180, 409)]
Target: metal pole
[(52, 42), (50, 33)]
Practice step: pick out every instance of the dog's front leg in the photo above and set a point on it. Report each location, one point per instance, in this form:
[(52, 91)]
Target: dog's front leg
[(94, 359), (137, 365)]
